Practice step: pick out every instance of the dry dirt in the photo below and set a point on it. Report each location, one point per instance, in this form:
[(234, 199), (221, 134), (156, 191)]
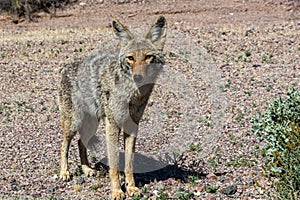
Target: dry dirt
[(226, 61)]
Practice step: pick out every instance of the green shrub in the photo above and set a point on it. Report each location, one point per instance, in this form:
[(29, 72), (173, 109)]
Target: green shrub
[(6, 5), (279, 128)]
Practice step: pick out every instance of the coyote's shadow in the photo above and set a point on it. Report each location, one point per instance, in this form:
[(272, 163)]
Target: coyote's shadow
[(149, 168)]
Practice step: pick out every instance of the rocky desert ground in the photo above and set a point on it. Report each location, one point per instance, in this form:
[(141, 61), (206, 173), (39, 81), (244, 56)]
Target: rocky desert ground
[(225, 61)]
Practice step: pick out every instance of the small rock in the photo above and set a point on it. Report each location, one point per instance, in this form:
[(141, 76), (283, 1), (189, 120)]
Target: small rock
[(171, 180), (256, 65), (54, 178), (13, 181), (230, 190), (211, 197), (51, 189), (15, 21), (222, 179), (198, 193), (122, 1), (200, 188), (212, 176), (251, 182), (251, 28), (80, 180), (238, 180)]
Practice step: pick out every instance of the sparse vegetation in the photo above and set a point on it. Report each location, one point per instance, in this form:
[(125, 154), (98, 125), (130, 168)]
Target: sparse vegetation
[(279, 128), (136, 198), (211, 188), (96, 186), (267, 58), (247, 53), (192, 180), (29, 8), (212, 162), (181, 195), (195, 147), (162, 195)]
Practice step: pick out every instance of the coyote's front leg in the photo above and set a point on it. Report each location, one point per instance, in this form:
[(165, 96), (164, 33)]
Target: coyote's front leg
[(112, 132), (83, 159), (129, 143)]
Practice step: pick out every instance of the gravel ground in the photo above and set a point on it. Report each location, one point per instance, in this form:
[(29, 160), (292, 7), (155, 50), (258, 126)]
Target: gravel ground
[(226, 61)]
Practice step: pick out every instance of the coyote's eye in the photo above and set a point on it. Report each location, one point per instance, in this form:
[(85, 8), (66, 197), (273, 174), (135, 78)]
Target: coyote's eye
[(148, 57), (131, 58)]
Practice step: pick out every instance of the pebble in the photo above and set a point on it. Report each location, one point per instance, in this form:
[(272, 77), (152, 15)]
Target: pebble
[(212, 176), (80, 180), (15, 21), (211, 197), (198, 193), (230, 190), (54, 178)]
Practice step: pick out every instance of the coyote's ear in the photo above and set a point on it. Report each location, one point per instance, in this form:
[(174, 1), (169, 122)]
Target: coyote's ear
[(158, 32), (121, 32)]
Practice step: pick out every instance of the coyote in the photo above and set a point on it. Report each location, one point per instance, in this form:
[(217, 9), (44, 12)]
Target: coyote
[(112, 87)]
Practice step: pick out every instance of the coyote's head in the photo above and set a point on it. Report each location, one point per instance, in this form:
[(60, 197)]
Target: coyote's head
[(141, 57)]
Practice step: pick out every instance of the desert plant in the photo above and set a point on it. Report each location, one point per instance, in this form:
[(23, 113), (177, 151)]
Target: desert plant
[(29, 8), (161, 195), (5, 5), (279, 128)]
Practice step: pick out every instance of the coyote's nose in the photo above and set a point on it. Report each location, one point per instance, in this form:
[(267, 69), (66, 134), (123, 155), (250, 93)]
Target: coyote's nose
[(137, 78)]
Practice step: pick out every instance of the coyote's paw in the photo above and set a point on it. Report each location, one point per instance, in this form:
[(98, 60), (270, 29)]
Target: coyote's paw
[(118, 195), (87, 170), (131, 190), (64, 175)]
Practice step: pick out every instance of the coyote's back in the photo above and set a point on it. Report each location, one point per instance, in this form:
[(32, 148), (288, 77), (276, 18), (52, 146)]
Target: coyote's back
[(113, 87)]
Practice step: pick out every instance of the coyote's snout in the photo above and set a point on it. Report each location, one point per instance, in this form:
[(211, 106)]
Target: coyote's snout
[(112, 87)]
